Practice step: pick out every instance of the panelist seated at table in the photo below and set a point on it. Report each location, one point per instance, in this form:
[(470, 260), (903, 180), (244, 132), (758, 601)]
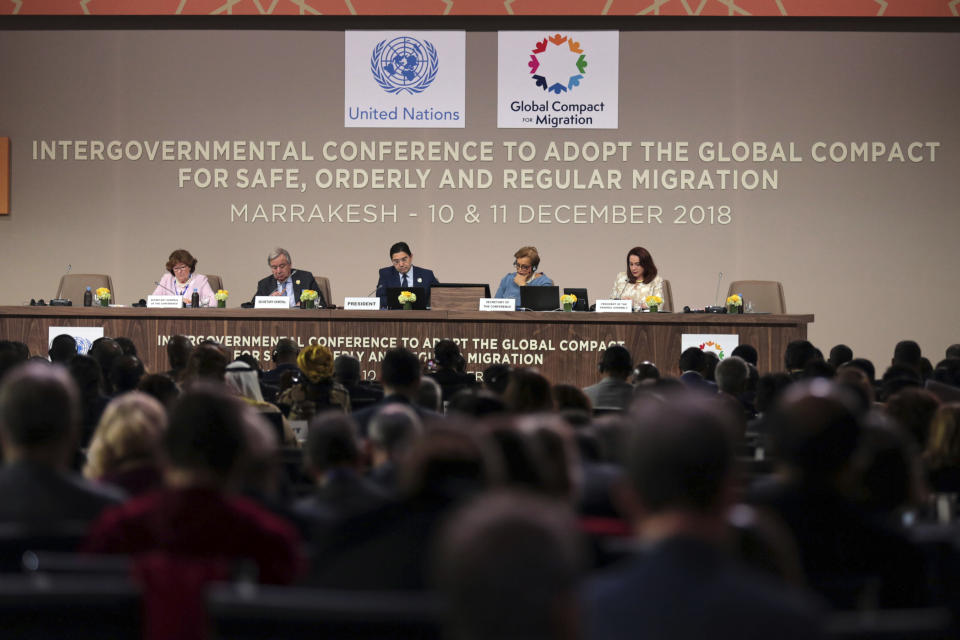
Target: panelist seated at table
[(526, 261), (403, 274), (639, 280), (181, 280), (287, 281)]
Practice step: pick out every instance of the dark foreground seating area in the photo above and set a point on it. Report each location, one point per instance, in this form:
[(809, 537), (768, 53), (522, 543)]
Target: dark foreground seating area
[(218, 500)]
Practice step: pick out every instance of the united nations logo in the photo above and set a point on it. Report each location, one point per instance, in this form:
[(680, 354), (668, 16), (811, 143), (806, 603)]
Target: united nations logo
[(570, 61), (83, 345), (404, 64)]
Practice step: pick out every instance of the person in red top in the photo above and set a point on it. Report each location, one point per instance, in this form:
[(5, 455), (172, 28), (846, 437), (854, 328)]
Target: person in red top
[(194, 530)]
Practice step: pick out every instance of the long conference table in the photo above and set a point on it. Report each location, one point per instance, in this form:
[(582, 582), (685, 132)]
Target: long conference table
[(564, 346)]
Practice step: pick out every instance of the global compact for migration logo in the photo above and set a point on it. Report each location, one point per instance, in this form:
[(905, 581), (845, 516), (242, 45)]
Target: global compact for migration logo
[(557, 64)]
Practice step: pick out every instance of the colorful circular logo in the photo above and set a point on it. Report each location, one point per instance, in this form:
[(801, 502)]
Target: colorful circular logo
[(566, 56), (404, 64)]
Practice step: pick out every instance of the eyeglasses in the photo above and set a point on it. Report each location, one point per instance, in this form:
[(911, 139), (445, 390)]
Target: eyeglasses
[(523, 267), (181, 267)]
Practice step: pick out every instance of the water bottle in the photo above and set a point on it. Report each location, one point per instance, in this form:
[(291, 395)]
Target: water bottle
[(88, 298), (195, 299)]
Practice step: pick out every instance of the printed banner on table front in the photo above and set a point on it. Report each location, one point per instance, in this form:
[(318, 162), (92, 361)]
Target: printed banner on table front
[(719, 343), (404, 79), (565, 80)]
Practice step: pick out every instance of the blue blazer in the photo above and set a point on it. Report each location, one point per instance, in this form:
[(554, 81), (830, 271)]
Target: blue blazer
[(390, 277)]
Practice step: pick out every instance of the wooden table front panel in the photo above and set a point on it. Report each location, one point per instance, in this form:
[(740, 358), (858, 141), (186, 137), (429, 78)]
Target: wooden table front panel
[(564, 346)]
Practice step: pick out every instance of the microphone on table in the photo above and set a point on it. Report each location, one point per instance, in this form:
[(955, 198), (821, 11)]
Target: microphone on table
[(717, 308), (165, 288), (62, 302)]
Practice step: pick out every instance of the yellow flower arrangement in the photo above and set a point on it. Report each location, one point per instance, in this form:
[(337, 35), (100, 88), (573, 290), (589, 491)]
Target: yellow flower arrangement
[(221, 295), (102, 293), (653, 301), (308, 294), (406, 296), (568, 298), (734, 300)]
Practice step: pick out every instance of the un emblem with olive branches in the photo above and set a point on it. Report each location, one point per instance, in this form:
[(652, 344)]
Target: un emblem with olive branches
[(404, 64)]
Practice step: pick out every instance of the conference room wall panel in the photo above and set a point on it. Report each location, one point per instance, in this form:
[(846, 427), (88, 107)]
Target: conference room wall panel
[(868, 247)]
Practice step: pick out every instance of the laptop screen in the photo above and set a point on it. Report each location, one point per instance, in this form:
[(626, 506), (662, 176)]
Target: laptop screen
[(540, 298)]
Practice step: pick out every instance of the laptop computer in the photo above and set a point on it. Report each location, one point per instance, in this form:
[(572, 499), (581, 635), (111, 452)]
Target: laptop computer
[(582, 303), (540, 298), (393, 293)]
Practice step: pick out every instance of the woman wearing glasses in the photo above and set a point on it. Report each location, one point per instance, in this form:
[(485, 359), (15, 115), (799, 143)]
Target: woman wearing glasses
[(180, 280), (639, 280), (526, 260)]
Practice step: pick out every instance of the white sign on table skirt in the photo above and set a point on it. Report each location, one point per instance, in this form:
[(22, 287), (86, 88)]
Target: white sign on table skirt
[(721, 344), (83, 335)]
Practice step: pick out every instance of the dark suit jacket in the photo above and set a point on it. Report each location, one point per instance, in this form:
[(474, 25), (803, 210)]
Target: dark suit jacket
[(366, 414), (301, 280), (37, 495), (684, 589), (390, 277)]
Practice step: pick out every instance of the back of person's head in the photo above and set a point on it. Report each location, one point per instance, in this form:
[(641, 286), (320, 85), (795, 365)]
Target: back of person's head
[(818, 368), (855, 381), (528, 392), (947, 372), (346, 370), (798, 353), (429, 394), (128, 435), (63, 349), (11, 356), (87, 375), (394, 428), (161, 387), (507, 567), (286, 351), (243, 380), (178, 351), (316, 363), (863, 365), (815, 430), (105, 351), (400, 370), (943, 445), (840, 354), (207, 362), (571, 397), (692, 359), (555, 446), (913, 409), (770, 387), (444, 464), (898, 377), (496, 377), (331, 442), (127, 346), (680, 456), (205, 432), (907, 352), (710, 362), (126, 373), (746, 351), (616, 361), (886, 467), (39, 410), (953, 351), (447, 354), (732, 374), (645, 371), (476, 403)]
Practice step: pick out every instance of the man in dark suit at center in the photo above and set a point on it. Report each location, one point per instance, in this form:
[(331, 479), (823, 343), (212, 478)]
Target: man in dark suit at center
[(287, 281), (403, 274)]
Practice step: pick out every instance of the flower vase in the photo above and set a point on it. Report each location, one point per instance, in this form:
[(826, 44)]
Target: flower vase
[(407, 306), (653, 308), (568, 306), (732, 308), (104, 302), (309, 304), (221, 304)]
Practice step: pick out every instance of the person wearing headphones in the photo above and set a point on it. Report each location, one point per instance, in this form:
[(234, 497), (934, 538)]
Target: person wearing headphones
[(526, 260)]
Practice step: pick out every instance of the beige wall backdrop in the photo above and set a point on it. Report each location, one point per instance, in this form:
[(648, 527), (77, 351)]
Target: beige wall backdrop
[(867, 246)]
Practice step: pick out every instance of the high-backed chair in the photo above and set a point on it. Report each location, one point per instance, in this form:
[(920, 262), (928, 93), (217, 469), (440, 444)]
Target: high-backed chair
[(216, 282), (72, 286), (324, 283), (766, 296), (667, 296)]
